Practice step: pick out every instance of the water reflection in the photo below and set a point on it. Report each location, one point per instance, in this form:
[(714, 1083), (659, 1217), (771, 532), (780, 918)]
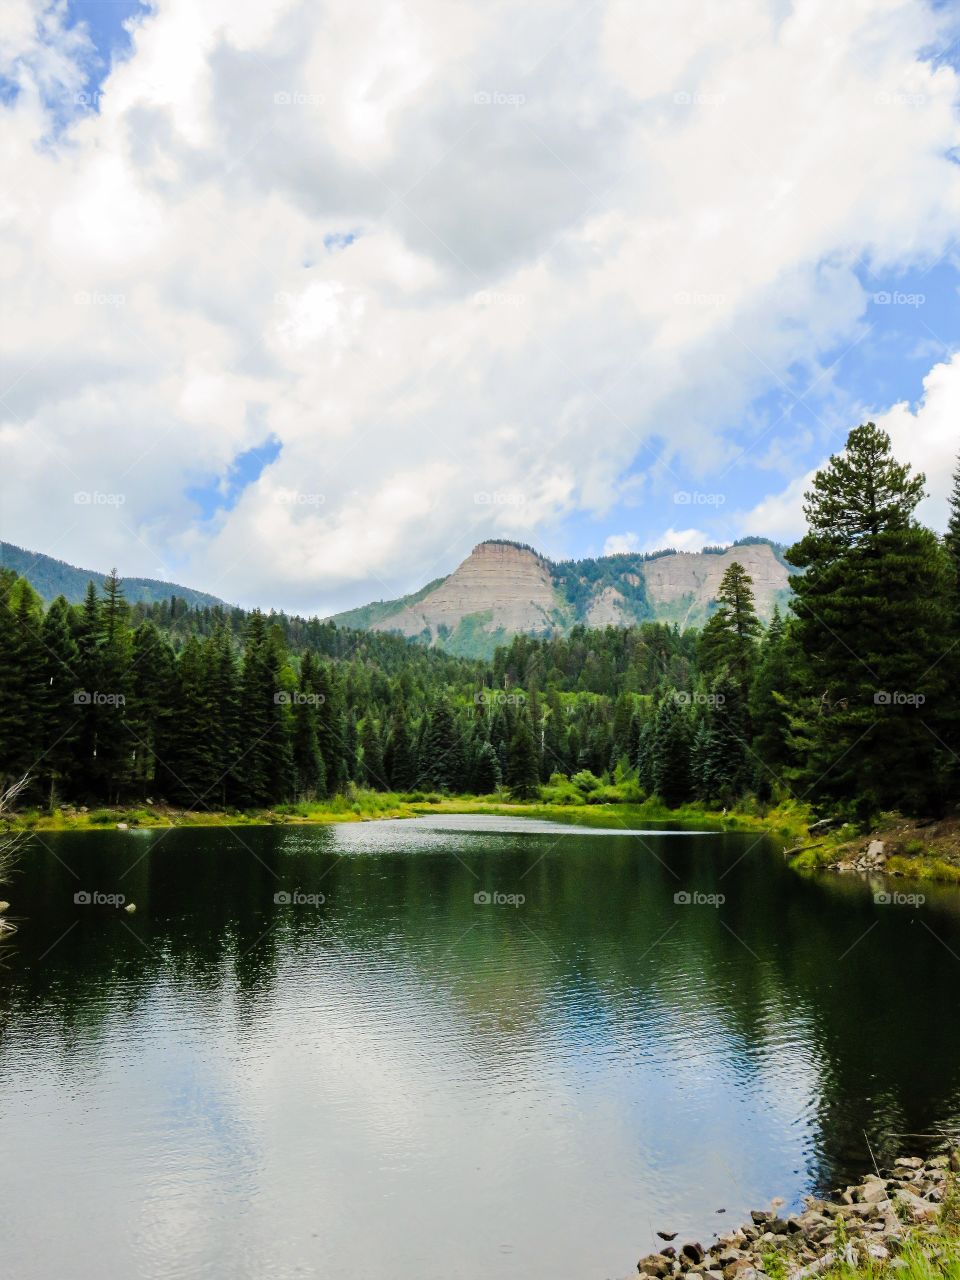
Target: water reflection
[(226, 1084)]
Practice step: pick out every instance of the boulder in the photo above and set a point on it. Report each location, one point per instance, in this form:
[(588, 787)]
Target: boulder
[(693, 1252), (874, 1191), (918, 1209), (656, 1265)]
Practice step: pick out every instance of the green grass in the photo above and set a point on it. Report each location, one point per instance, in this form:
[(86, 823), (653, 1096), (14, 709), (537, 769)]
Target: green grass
[(619, 804)]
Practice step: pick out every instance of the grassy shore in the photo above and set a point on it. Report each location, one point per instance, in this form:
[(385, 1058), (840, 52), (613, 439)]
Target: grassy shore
[(787, 821), (917, 849), (920, 851)]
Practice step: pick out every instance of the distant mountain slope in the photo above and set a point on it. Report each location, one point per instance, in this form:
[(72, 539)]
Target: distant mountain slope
[(51, 578), (503, 588)]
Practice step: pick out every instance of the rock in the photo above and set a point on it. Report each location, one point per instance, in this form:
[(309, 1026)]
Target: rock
[(4, 906), (742, 1269), (656, 1265), (122, 826), (920, 1210), (875, 849), (908, 1162), (694, 1252), (760, 1216), (130, 908), (667, 1235), (955, 1161), (874, 1191)]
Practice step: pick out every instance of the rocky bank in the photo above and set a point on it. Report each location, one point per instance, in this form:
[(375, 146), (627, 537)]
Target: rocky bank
[(867, 1223)]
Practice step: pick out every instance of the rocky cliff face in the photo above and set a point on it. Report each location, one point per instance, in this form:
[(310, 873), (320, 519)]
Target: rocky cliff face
[(683, 585), (502, 589), (510, 588)]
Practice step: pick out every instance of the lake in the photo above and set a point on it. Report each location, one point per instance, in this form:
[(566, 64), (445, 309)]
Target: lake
[(447, 1047)]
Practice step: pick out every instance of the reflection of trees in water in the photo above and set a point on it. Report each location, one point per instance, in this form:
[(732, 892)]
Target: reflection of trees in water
[(599, 949)]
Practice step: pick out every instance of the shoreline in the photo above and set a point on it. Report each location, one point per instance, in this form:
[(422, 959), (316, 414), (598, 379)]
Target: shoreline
[(367, 806), (898, 847), (905, 1218)]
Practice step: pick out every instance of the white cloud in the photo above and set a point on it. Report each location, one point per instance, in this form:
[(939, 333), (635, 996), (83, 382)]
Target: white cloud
[(619, 543), (680, 540), (926, 437), (580, 232)]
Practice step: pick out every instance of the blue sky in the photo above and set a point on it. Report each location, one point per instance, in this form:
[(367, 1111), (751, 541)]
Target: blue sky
[(318, 307)]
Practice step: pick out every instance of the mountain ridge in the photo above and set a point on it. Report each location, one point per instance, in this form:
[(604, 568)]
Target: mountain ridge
[(51, 577), (504, 588)]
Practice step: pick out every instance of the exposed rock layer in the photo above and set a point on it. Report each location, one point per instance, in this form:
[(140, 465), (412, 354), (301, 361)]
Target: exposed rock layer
[(505, 589)]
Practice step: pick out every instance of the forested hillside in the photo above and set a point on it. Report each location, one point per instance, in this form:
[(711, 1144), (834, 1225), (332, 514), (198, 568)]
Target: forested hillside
[(849, 702), (51, 578)]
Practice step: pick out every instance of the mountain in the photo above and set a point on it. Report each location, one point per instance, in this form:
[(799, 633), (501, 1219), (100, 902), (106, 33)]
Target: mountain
[(505, 587), (51, 578)]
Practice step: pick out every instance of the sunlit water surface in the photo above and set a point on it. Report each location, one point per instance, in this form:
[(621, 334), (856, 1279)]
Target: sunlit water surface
[(406, 1079)]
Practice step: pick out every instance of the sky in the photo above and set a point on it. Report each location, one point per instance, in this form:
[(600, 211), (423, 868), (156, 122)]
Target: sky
[(301, 299)]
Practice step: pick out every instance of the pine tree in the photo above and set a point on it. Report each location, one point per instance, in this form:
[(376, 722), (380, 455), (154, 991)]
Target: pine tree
[(310, 775), (523, 773), (487, 775), (374, 774), (672, 743), (724, 761), (728, 644), (151, 715), (775, 687), (872, 621), (59, 712), (442, 758), (400, 759), (193, 772), (257, 715), (225, 708)]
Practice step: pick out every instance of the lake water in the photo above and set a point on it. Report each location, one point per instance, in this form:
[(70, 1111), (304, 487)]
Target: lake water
[(406, 1080)]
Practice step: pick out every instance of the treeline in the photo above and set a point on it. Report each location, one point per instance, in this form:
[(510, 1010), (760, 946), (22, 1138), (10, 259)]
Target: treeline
[(853, 702), (218, 708), (850, 702)]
